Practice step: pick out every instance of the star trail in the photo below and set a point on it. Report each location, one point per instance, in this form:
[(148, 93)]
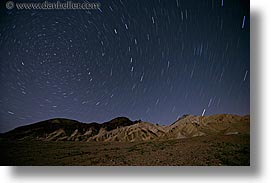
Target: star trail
[(151, 60)]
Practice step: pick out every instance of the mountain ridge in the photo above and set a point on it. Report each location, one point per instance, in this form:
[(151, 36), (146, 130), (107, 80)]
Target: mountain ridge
[(124, 130)]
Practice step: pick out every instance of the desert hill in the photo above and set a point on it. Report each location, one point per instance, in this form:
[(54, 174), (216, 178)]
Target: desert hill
[(124, 130), (224, 124), (64, 129)]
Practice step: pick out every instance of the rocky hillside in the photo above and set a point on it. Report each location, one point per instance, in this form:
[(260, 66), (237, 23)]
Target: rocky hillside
[(224, 124), (65, 129), (124, 130)]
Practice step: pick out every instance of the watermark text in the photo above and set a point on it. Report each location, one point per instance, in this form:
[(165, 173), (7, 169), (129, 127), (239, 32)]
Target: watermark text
[(68, 5)]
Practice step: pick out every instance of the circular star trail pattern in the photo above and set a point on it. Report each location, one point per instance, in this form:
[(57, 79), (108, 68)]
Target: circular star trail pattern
[(151, 60)]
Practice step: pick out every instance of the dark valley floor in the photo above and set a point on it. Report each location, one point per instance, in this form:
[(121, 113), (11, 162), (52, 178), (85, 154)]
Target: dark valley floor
[(202, 151)]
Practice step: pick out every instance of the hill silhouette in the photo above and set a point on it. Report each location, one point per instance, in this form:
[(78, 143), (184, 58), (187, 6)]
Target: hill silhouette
[(124, 130)]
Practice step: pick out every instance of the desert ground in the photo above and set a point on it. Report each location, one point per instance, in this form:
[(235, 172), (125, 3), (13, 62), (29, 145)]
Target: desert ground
[(213, 150)]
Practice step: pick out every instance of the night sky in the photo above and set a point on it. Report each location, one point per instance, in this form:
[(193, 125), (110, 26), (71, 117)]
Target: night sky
[(151, 60)]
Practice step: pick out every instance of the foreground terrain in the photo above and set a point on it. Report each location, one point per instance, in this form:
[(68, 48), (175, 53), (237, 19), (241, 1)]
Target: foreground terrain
[(204, 150)]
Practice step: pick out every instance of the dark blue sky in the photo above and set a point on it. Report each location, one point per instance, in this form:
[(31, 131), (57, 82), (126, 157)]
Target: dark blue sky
[(150, 60)]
